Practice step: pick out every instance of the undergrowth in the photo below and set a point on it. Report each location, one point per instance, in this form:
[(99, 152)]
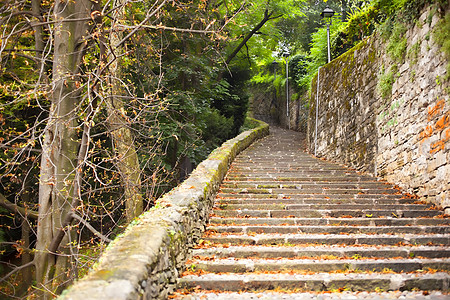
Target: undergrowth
[(441, 37)]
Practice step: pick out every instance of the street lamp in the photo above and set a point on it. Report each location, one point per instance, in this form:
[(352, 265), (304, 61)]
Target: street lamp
[(286, 55), (328, 14)]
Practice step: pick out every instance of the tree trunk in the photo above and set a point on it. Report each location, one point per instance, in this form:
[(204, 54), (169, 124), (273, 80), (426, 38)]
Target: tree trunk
[(127, 161), (122, 137), (60, 146), (27, 278), (26, 256), (38, 36)]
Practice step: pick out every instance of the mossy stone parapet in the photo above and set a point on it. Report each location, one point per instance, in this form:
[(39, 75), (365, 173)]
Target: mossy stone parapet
[(144, 261)]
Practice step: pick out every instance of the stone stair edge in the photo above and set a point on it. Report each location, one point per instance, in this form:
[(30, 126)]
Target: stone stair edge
[(285, 295), (321, 281)]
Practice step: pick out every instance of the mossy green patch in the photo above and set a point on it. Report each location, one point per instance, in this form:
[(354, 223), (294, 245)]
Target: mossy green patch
[(268, 186), (441, 37), (385, 82), (413, 53), (396, 47), (104, 274)]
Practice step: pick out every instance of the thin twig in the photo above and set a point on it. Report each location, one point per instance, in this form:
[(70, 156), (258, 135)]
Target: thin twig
[(15, 208), (91, 228), (31, 263), (161, 27)]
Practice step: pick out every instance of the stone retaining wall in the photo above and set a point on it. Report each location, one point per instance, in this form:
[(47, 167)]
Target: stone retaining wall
[(402, 136), (143, 262)]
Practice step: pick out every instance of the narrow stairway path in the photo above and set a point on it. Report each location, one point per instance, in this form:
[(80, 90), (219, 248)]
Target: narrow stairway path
[(286, 225)]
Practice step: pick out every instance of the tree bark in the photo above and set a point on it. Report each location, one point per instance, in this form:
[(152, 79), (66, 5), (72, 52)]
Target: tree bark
[(38, 36), (23, 212), (60, 146), (26, 256), (122, 137)]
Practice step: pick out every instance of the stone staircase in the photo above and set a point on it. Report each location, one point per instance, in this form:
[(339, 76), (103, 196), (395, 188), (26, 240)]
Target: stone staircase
[(289, 226)]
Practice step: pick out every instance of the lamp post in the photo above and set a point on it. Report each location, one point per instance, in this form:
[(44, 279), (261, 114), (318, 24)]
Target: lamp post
[(286, 54), (328, 14)]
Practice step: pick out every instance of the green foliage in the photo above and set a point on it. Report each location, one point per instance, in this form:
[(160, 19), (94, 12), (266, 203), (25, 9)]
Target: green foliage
[(298, 65), (396, 46), (413, 53), (405, 11), (317, 57), (360, 24), (385, 29), (441, 37), (385, 82), (385, 15), (410, 10), (88, 256), (304, 65), (233, 102), (249, 123), (271, 76), (196, 114), (390, 7), (266, 39)]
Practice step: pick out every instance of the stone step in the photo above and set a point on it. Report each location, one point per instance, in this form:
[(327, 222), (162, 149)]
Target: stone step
[(297, 200), (323, 252), (222, 195), (323, 206), (330, 239), (303, 185), (289, 156), (234, 265), (284, 164), (298, 170), (318, 213), (289, 295), (296, 176), (331, 229), (318, 282), (291, 178), (332, 221), (300, 191)]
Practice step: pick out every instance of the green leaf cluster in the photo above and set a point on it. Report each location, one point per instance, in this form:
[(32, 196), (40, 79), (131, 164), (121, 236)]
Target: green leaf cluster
[(360, 23), (441, 36)]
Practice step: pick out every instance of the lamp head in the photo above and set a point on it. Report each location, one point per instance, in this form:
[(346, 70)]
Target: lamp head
[(327, 13)]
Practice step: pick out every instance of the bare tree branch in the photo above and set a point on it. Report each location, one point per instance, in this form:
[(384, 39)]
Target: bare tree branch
[(267, 17), (140, 24), (5, 203), (91, 228), (161, 27), (31, 263)]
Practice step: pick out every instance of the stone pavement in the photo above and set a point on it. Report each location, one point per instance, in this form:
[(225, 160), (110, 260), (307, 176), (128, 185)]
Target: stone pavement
[(286, 225)]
